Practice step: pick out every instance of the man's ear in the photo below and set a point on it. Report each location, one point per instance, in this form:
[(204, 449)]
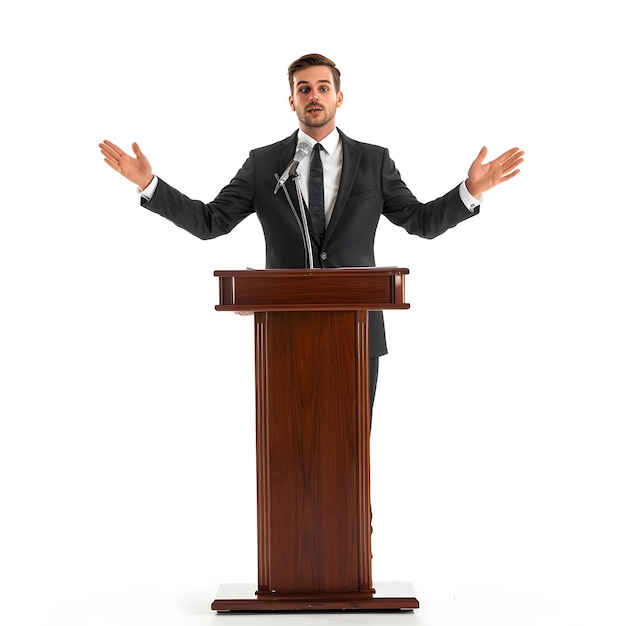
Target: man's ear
[(291, 104), (339, 98)]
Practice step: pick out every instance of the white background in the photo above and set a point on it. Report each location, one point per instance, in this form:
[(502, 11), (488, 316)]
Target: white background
[(127, 472)]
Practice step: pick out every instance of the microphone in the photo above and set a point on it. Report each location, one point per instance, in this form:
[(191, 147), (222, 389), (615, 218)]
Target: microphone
[(301, 151)]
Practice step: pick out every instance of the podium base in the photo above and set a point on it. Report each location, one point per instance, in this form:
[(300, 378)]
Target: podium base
[(242, 598)]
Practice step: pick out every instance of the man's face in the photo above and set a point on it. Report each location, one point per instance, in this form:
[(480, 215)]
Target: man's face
[(315, 100)]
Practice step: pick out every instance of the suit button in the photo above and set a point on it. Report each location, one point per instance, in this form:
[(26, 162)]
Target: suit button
[(323, 256)]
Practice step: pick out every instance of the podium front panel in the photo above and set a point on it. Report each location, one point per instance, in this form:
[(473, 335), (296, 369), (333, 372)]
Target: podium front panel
[(313, 415)]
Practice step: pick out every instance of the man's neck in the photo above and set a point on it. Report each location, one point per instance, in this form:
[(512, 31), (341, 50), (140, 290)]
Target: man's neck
[(318, 134), (317, 137)]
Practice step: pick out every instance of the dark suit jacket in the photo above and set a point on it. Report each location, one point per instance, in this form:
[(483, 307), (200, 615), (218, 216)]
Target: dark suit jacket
[(370, 186)]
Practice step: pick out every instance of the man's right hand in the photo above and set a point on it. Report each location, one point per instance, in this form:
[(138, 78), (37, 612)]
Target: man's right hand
[(137, 170)]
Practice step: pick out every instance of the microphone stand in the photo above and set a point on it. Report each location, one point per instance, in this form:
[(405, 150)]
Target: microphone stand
[(302, 222)]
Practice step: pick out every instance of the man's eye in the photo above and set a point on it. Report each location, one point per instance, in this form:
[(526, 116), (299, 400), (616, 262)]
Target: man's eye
[(324, 89), (304, 90)]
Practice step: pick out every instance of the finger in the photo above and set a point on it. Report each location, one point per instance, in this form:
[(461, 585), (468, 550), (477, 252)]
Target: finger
[(518, 156), (508, 166), (104, 146), (108, 151), (504, 157), (514, 156), (481, 155), (509, 176), (113, 147), (113, 164), (137, 151)]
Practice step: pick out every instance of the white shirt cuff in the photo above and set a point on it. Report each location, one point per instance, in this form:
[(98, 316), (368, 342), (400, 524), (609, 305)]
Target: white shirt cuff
[(148, 192), (468, 200)]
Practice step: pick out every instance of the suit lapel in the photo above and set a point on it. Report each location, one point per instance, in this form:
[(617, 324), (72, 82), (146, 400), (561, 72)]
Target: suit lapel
[(282, 158), (285, 153), (351, 158)]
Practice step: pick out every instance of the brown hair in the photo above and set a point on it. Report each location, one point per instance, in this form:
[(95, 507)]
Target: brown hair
[(313, 59)]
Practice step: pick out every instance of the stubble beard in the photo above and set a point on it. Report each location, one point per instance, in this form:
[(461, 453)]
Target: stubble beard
[(317, 122)]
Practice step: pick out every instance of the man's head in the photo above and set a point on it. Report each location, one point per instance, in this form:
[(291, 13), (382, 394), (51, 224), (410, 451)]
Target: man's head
[(314, 81), (313, 59)]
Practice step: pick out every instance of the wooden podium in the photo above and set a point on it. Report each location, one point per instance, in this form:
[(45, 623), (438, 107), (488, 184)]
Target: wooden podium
[(312, 439)]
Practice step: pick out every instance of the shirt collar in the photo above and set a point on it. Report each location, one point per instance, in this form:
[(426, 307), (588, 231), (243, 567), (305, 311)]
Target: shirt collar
[(329, 143)]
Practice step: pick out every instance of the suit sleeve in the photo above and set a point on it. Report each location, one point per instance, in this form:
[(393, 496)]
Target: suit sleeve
[(207, 220), (425, 219)]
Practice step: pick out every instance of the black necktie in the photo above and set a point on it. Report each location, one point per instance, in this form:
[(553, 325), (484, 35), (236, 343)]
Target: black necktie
[(316, 192)]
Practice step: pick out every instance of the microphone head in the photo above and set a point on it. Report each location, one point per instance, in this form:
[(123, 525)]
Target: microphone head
[(302, 150)]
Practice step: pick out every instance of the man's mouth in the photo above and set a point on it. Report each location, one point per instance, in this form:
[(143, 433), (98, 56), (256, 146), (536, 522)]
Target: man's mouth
[(314, 109)]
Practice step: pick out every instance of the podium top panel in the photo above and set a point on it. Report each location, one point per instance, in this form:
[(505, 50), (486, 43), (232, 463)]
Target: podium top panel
[(359, 288)]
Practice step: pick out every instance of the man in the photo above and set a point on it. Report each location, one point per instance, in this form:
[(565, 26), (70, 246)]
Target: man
[(360, 183)]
